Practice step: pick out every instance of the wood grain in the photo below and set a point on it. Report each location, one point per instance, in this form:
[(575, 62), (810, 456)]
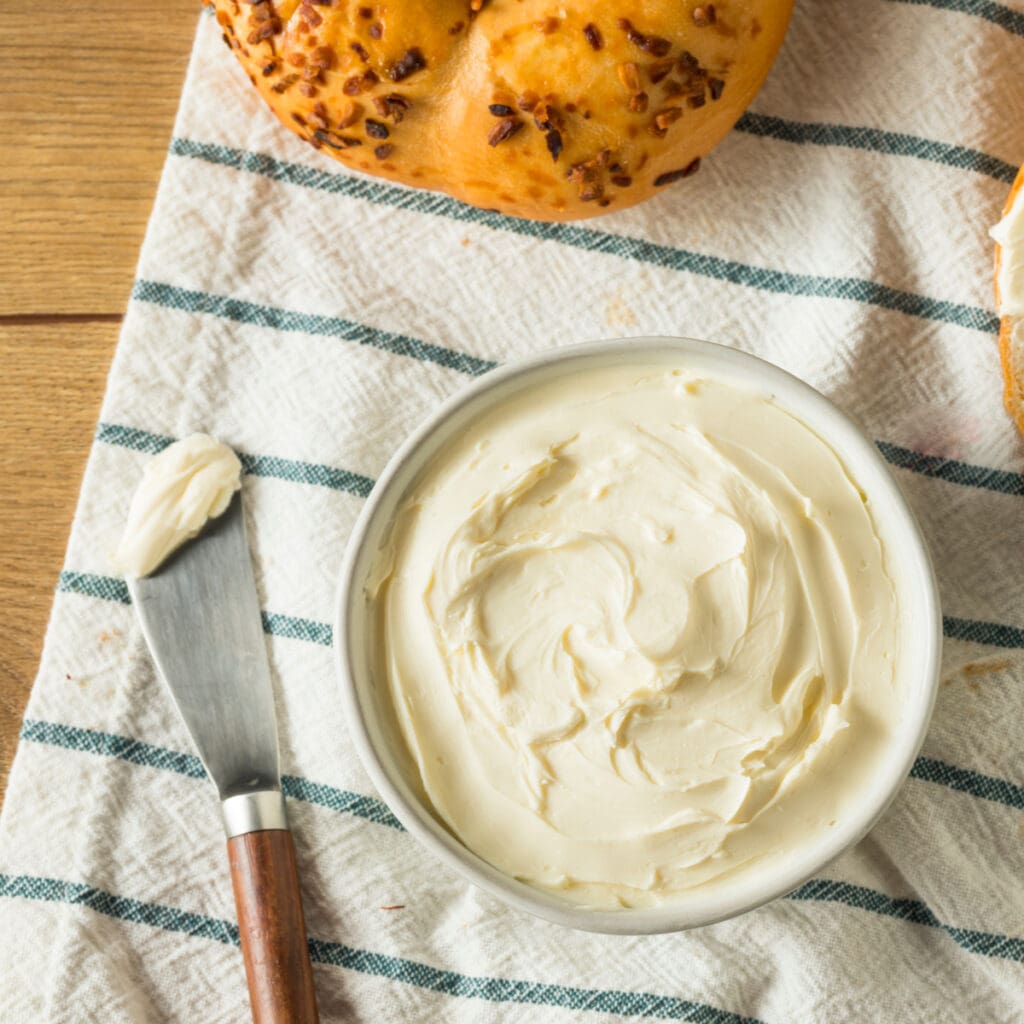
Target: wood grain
[(90, 93), (88, 102), (272, 928)]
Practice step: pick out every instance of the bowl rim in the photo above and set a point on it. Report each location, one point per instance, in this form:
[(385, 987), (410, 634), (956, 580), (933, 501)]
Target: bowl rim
[(421, 823)]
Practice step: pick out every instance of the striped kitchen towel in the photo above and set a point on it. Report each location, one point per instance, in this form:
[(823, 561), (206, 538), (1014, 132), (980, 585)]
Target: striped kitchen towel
[(311, 318)]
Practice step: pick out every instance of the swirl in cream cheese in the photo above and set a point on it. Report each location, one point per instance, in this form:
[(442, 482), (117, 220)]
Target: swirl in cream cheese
[(638, 635)]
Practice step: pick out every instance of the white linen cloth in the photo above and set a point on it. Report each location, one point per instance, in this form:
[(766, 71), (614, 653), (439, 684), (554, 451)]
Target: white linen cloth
[(310, 318)]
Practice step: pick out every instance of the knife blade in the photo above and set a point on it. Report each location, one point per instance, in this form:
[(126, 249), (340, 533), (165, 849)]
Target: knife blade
[(201, 619)]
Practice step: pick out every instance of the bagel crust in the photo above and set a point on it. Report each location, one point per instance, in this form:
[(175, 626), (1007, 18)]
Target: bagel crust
[(1011, 333), (521, 106)]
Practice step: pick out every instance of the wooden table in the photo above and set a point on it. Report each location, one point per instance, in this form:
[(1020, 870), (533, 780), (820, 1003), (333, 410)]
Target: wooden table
[(89, 97)]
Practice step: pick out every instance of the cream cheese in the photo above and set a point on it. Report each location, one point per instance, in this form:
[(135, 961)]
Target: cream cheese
[(638, 635), (1009, 234), (188, 483)]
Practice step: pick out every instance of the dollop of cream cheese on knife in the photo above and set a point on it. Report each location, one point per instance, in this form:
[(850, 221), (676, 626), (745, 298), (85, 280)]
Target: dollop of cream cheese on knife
[(187, 484), (639, 635)]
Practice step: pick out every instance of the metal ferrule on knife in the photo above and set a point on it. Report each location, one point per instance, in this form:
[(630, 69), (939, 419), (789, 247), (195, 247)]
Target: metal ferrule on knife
[(253, 812)]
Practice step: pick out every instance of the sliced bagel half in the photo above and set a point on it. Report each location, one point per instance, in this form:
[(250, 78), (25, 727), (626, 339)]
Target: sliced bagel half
[(1009, 286)]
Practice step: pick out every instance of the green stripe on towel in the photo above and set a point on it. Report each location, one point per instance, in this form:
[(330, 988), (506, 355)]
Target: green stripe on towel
[(123, 908), (852, 289), (297, 629), (952, 470), (105, 744), (1003, 947), (876, 140), (132, 751), (381, 965), (89, 584), (111, 588), (991, 633), (987, 787), (314, 473), (278, 319), (817, 890)]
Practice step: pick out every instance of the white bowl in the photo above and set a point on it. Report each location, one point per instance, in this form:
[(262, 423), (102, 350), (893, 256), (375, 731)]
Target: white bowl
[(368, 704)]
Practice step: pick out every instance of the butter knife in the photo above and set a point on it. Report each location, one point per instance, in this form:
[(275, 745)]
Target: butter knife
[(201, 619)]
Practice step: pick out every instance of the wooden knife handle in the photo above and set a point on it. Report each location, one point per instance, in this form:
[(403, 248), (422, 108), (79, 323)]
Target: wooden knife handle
[(272, 928)]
